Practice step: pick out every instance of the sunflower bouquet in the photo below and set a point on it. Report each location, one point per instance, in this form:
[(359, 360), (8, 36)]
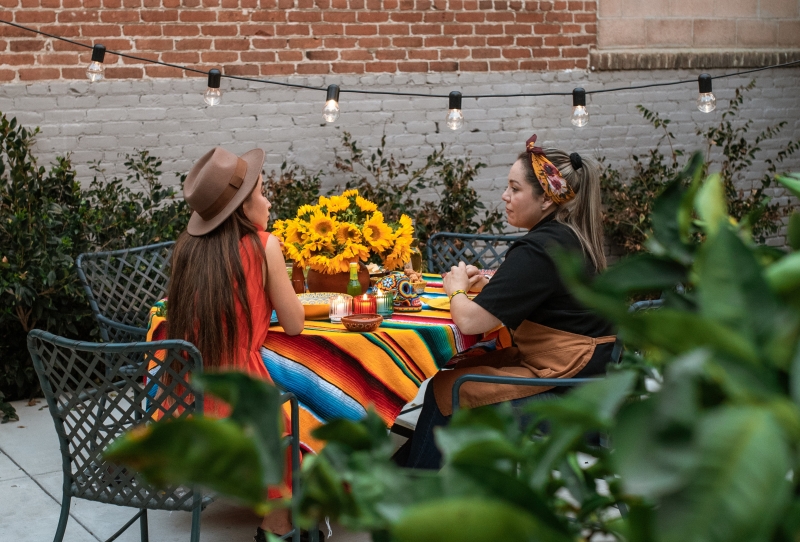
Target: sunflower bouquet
[(341, 229)]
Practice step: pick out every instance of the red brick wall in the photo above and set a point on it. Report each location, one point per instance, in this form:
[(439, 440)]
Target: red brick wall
[(283, 37)]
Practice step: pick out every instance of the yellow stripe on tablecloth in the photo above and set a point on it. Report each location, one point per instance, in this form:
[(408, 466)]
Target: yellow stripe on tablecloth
[(375, 359)]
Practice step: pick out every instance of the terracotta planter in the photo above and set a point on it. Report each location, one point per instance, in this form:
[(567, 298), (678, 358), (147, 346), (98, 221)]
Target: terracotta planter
[(320, 282)]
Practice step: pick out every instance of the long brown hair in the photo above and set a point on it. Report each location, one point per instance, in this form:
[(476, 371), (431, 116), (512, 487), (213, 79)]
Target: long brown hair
[(582, 214), (207, 278)]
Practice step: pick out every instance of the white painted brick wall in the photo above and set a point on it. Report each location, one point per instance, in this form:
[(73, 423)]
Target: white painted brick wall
[(106, 120)]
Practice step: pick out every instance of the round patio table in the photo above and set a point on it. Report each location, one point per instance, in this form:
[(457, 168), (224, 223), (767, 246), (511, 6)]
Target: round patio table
[(336, 373)]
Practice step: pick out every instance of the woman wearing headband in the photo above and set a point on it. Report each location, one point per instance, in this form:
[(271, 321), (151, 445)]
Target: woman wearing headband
[(227, 275), (556, 196)]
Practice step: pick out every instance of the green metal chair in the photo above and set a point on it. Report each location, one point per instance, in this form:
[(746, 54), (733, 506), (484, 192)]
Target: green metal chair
[(94, 396), (122, 285), (446, 249), (92, 402)]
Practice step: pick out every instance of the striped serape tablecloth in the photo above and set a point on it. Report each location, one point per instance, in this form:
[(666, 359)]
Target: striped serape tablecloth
[(336, 373)]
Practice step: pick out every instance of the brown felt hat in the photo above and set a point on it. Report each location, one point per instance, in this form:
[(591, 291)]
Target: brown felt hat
[(217, 185)]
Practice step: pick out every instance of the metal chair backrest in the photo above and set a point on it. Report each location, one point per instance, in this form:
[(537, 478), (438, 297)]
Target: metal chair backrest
[(92, 402), (446, 249), (122, 285)]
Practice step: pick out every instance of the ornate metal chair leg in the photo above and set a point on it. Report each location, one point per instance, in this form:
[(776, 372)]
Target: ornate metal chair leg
[(66, 501), (195, 537), (143, 526)]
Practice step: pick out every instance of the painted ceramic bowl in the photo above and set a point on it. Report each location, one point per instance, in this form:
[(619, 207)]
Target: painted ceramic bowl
[(363, 323), (316, 306)]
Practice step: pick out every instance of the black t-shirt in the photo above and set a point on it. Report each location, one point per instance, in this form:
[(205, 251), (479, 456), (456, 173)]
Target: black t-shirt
[(527, 287)]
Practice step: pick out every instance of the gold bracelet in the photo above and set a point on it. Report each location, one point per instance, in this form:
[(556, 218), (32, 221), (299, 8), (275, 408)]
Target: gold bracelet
[(456, 293)]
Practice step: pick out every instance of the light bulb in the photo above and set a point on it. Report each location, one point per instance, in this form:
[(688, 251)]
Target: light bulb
[(213, 95), (706, 102), (455, 118), (580, 116), (96, 69), (331, 110)]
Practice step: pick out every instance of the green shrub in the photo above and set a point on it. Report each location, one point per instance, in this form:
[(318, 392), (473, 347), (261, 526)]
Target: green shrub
[(288, 190), (629, 201), (46, 220), (395, 186)]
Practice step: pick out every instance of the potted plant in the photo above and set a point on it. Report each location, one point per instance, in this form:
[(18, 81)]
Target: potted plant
[(341, 229)]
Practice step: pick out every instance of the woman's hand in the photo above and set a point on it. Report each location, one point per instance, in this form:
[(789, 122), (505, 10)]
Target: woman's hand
[(477, 280), (471, 318), (457, 279)]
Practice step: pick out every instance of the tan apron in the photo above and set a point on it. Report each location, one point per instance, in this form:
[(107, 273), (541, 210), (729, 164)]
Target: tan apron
[(539, 352)]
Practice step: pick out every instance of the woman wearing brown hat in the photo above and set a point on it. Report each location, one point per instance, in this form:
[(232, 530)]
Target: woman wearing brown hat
[(228, 274), (556, 196)]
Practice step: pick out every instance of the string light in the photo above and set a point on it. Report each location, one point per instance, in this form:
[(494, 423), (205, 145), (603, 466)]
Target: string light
[(706, 101), (213, 95), (331, 110), (455, 118), (580, 117), (96, 69)]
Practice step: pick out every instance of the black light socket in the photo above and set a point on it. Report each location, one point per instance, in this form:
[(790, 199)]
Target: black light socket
[(704, 82), (455, 100), (214, 78), (98, 53), (578, 97), (333, 93)]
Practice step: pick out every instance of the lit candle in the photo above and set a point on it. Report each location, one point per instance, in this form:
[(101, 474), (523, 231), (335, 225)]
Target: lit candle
[(385, 303), (364, 304), (340, 306)]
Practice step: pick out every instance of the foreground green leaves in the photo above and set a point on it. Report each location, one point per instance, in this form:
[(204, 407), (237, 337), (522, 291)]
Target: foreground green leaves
[(239, 456), (696, 434)]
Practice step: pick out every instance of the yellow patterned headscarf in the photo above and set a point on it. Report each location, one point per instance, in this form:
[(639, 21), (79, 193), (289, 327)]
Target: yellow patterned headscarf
[(553, 183)]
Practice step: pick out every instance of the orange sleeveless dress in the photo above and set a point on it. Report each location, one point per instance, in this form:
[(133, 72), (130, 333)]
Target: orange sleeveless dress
[(247, 358)]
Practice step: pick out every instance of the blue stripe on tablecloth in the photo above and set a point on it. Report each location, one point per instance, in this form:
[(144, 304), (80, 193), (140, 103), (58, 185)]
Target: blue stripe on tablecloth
[(322, 399)]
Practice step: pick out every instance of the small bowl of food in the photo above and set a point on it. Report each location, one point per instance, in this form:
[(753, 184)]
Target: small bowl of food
[(419, 286), (317, 306), (362, 323), (416, 281)]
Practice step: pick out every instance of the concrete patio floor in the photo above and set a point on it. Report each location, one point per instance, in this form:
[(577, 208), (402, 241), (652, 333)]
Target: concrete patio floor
[(30, 497)]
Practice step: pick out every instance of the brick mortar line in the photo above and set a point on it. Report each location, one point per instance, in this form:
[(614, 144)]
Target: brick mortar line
[(35, 481)]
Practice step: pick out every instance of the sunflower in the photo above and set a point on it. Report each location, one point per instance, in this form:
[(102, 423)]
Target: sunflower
[(406, 227), (400, 254), (377, 234), (293, 233), (304, 210), (356, 251), (350, 193), (292, 253), (338, 203), (339, 263), (279, 229), (365, 205), (322, 225), (348, 233)]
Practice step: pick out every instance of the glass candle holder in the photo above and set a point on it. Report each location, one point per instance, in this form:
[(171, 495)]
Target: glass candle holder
[(385, 303), (340, 306), (364, 304)]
